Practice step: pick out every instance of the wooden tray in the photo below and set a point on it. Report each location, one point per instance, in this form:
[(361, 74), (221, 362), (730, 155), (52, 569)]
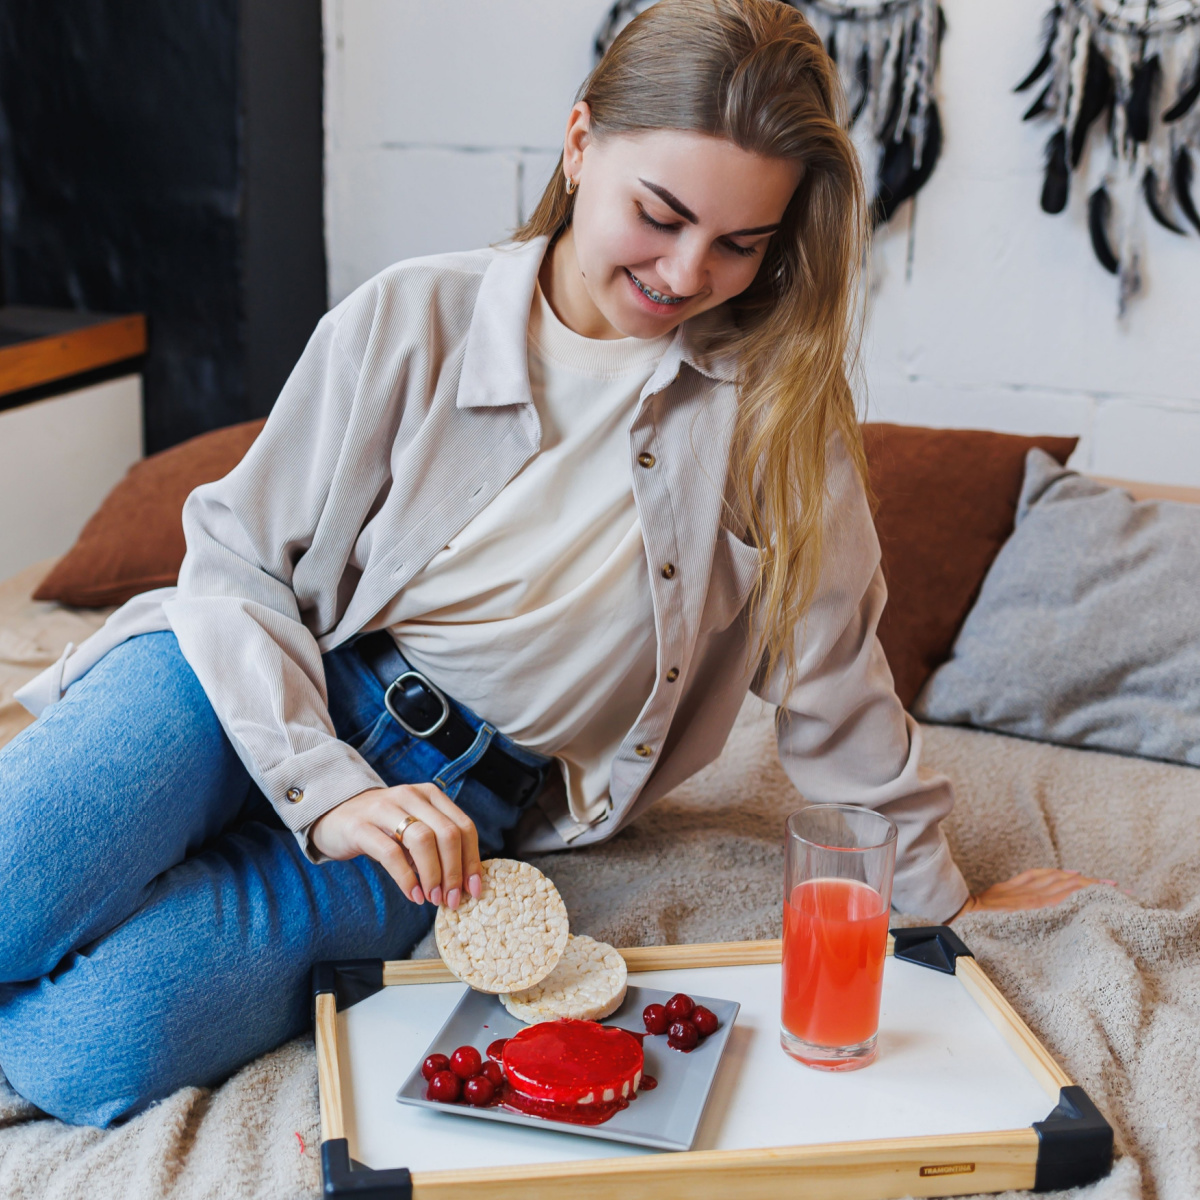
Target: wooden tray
[(956, 1102)]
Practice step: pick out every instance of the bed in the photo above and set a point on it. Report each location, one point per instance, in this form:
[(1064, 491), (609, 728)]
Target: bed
[(1110, 980)]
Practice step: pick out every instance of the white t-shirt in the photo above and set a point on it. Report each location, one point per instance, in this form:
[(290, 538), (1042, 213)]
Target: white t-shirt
[(517, 617)]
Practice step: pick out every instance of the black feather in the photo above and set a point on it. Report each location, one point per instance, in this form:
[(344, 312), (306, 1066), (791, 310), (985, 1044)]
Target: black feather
[(1150, 191), (862, 76), (1187, 97), (1043, 63), (1097, 96), (1141, 91), (1099, 208), (1183, 185), (887, 132), (1058, 176), (898, 177), (1039, 105)]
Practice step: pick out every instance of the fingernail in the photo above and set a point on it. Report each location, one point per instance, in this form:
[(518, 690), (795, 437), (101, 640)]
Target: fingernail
[(435, 894), (1072, 872), (475, 885), (1128, 892), (418, 896), (1110, 882), (452, 897)]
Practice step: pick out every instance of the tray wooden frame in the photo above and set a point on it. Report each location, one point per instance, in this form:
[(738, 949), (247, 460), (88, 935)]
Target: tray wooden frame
[(1045, 1155)]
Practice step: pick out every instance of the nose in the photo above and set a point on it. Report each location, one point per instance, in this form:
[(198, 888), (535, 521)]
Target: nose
[(684, 270)]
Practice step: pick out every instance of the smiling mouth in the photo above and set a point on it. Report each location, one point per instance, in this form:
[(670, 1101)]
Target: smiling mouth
[(650, 293)]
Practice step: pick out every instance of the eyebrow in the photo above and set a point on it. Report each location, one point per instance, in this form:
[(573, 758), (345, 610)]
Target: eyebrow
[(673, 201)]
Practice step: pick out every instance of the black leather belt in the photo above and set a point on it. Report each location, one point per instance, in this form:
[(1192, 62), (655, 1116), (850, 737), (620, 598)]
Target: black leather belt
[(421, 708)]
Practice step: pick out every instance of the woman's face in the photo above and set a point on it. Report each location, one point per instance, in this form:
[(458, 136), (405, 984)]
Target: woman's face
[(666, 225)]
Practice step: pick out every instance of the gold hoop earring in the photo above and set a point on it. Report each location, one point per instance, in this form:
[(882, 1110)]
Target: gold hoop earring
[(572, 184)]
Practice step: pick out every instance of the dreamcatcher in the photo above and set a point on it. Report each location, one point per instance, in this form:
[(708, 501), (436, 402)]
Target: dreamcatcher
[(887, 52), (1137, 63)]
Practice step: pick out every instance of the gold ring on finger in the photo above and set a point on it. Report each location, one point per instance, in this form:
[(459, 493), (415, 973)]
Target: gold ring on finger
[(399, 831)]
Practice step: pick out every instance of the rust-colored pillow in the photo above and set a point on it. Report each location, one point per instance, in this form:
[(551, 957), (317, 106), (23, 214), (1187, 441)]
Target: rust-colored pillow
[(946, 501), (134, 540)]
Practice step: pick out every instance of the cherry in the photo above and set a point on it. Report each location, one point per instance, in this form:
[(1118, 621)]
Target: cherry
[(683, 1035), (679, 1007), (705, 1020), (655, 1018), (493, 1071), (479, 1091), (433, 1064), (445, 1086), (465, 1062)]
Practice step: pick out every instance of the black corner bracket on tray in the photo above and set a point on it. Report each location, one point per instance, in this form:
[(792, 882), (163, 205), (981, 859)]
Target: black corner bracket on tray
[(349, 981), (344, 1177), (1075, 1143), (935, 946)]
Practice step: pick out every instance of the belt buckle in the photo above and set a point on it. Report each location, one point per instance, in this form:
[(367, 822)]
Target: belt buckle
[(437, 691)]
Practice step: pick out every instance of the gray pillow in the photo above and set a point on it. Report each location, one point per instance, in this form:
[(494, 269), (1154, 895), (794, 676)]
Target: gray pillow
[(1087, 628)]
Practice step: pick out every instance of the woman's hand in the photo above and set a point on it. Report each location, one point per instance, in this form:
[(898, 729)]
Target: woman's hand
[(440, 854), (1039, 888)]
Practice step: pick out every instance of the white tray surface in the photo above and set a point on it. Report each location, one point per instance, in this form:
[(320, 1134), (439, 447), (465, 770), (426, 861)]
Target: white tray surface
[(943, 1068)]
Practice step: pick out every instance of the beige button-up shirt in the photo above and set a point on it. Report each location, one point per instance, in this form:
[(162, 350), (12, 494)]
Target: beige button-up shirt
[(408, 412)]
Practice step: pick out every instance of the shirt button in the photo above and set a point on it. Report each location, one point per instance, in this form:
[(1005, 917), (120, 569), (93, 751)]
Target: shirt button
[(668, 571), (643, 751), (295, 795), (645, 460), (672, 674)]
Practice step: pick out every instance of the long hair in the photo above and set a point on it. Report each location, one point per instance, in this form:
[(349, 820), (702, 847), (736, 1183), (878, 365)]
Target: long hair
[(755, 72)]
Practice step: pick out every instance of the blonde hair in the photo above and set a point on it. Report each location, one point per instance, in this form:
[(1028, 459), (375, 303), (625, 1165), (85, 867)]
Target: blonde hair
[(755, 72)]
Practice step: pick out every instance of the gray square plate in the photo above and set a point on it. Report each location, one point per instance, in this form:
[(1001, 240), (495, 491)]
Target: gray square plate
[(666, 1118)]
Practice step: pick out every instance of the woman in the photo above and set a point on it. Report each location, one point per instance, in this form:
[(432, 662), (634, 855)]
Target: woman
[(522, 529)]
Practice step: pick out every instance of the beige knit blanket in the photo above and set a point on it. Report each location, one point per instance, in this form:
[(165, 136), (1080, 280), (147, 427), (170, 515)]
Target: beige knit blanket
[(1110, 982)]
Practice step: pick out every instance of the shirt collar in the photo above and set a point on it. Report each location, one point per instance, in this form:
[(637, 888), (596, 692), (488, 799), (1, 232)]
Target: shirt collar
[(496, 362)]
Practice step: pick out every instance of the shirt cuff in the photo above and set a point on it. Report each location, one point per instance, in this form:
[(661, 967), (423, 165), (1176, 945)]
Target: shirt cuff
[(932, 888), (308, 785)]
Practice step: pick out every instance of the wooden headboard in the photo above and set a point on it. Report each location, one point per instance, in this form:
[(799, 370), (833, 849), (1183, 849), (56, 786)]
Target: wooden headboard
[(1153, 491)]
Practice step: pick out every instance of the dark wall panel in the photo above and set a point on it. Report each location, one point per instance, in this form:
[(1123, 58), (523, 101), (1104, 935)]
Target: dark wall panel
[(285, 289), (166, 157)]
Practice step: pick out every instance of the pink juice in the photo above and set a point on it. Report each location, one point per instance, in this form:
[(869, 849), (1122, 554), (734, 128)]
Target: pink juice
[(834, 939)]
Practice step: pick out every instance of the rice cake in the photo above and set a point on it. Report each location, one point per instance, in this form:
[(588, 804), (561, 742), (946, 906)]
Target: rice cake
[(511, 937), (587, 984)]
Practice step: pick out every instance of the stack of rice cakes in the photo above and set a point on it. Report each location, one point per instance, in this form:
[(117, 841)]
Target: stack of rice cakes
[(514, 941)]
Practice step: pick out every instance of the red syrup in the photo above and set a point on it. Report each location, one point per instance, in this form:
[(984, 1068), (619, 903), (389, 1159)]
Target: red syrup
[(496, 1050)]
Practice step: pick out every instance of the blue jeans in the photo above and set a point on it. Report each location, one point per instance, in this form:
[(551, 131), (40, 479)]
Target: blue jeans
[(160, 922)]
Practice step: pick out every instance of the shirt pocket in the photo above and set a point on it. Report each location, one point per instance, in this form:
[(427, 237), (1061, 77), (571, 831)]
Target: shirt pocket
[(735, 568)]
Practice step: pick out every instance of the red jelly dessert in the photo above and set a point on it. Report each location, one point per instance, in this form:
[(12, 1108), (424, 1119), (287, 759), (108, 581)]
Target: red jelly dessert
[(705, 1020), (654, 1017), (581, 1070)]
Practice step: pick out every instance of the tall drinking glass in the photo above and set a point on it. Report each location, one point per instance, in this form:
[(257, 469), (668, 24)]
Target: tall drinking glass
[(837, 895)]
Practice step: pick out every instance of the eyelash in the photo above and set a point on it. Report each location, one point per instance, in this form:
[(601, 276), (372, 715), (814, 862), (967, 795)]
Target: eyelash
[(742, 251)]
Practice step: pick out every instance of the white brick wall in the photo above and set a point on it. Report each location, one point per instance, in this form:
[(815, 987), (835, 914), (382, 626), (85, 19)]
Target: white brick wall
[(444, 119)]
